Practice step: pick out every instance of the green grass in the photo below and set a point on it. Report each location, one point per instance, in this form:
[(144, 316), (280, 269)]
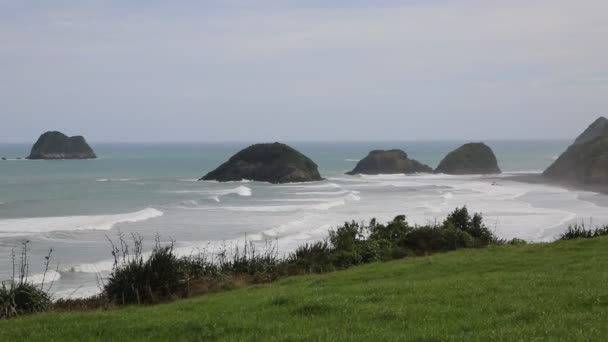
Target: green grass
[(556, 291)]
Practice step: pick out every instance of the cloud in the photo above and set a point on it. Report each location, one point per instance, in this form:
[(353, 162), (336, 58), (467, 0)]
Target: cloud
[(154, 65)]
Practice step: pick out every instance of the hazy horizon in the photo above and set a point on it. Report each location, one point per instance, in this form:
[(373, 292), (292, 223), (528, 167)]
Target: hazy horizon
[(303, 141), (320, 71)]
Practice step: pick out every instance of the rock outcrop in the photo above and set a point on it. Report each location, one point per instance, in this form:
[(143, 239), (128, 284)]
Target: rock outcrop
[(56, 145), (274, 163), (599, 128), (585, 161), (469, 159), (388, 162)]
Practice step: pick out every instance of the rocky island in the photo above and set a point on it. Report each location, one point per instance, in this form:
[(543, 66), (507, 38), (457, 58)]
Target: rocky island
[(388, 162), (273, 163), (56, 145), (585, 161), (470, 159)]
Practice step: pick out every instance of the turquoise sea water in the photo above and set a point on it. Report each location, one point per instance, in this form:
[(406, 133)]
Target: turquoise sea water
[(74, 206)]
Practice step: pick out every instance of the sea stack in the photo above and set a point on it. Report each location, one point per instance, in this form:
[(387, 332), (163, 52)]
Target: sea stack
[(56, 145), (273, 163), (585, 161), (388, 162), (470, 159)]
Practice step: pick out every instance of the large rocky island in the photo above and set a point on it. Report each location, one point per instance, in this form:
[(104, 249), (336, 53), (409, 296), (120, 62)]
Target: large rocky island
[(470, 159), (585, 161), (56, 145), (273, 163), (388, 162)]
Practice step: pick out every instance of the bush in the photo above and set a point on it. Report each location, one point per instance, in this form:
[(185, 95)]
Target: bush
[(310, 258), (20, 296), (516, 242), (424, 240), (346, 237), (137, 281), (580, 231), (249, 260), (462, 220), (394, 231)]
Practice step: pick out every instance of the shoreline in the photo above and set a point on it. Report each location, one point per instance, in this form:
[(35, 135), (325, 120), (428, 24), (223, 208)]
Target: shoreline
[(538, 178)]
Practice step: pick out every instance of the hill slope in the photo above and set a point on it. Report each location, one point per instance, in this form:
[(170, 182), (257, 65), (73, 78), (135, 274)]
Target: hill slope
[(537, 292)]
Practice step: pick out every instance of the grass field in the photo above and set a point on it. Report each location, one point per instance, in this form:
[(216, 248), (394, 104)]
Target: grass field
[(555, 291)]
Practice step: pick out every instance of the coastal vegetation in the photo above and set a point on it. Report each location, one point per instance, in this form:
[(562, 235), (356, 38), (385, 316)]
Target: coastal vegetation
[(162, 276), (552, 291)]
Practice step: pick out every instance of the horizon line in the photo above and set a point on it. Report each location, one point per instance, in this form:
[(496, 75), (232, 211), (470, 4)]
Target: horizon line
[(252, 141)]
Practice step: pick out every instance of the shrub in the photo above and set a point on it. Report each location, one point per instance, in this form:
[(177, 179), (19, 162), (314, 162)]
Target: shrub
[(426, 239), (250, 260), (345, 258), (20, 296), (137, 281), (394, 231), (462, 220), (345, 238), (454, 238), (580, 231), (516, 242), (310, 258)]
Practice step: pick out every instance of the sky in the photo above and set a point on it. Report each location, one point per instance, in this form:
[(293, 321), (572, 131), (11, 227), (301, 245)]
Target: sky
[(286, 70)]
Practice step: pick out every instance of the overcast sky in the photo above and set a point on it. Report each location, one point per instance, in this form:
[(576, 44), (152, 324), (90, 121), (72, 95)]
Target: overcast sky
[(302, 70)]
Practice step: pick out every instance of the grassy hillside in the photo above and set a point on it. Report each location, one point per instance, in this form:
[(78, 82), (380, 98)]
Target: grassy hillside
[(556, 291)]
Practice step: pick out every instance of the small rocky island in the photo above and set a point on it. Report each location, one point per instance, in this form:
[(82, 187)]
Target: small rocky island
[(585, 161), (470, 159), (273, 163), (388, 162), (56, 145)]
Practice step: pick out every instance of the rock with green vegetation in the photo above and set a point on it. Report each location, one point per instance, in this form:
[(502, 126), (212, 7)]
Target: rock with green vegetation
[(56, 145), (470, 159), (388, 162), (274, 163), (585, 163), (599, 128)]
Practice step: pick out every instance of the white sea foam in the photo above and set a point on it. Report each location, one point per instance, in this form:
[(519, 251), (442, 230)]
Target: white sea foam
[(240, 190), (448, 195), (225, 182), (310, 186), (79, 292), (38, 278), (116, 179), (323, 205), (26, 226), (97, 267), (522, 172), (322, 193), (352, 160)]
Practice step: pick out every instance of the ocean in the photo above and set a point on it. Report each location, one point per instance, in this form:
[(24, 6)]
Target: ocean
[(75, 206)]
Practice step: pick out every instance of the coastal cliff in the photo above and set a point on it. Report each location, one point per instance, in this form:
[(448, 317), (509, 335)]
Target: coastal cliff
[(585, 161)]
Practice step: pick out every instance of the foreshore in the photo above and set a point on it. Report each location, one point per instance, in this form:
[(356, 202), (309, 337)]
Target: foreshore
[(597, 191)]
